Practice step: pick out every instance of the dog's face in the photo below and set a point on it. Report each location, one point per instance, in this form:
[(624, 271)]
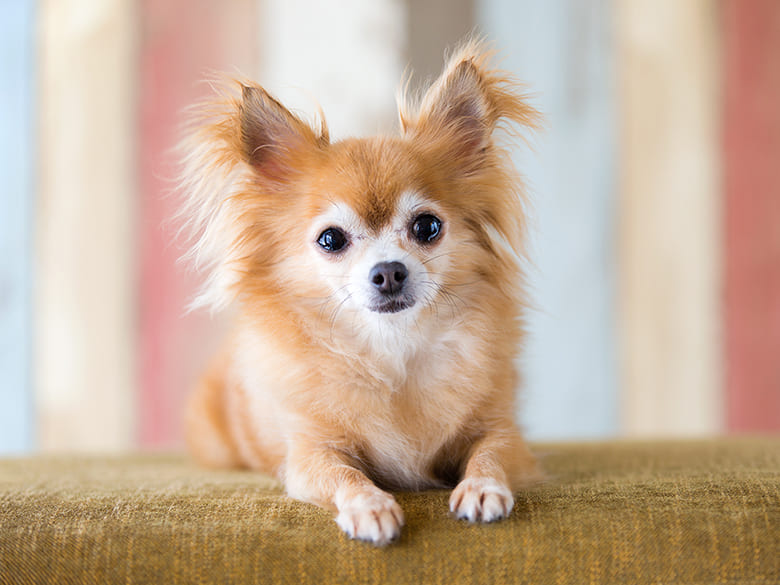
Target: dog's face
[(398, 264), (369, 240)]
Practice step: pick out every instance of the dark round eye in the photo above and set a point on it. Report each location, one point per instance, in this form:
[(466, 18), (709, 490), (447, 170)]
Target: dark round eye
[(426, 228), (333, 240)]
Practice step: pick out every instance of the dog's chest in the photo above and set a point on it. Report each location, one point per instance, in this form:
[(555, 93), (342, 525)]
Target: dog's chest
[(403, 445), (409, 411), (402, 460)]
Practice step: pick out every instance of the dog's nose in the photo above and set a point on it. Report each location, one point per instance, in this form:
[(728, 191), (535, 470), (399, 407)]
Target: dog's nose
[(388, 277)]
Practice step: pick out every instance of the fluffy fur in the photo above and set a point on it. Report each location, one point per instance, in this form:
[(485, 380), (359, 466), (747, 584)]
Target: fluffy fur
[(340, 388)]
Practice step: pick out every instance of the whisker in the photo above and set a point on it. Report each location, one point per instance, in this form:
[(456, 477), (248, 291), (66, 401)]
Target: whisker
[(453, 300), (432, 258), (326, 300), (335, 313)]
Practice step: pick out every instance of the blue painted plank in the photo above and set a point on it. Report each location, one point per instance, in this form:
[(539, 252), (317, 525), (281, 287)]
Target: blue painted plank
[(16, 198), (563, 49)]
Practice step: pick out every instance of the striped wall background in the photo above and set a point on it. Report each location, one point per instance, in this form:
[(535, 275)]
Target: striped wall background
[(656, 236)]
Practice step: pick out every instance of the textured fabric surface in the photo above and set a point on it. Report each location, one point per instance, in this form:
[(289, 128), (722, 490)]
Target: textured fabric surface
[(623, 513)]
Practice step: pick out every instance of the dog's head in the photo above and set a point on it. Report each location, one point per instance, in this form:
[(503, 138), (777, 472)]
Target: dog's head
[(374, 232)]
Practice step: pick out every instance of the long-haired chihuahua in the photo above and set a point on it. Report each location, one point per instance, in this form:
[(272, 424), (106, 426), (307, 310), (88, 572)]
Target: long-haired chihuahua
[(378, 287)]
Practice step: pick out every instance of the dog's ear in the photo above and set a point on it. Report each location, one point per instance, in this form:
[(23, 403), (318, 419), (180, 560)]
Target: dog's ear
[(466, 103), (457, 105), (272, 138)]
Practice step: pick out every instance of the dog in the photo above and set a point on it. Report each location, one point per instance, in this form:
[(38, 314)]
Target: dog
[(377, 285)]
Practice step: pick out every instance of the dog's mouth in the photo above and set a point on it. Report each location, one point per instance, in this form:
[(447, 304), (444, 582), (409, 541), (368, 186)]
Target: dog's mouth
[(395, 305)]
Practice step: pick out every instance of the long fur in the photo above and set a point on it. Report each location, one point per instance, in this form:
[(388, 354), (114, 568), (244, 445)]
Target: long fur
[(335, 399)]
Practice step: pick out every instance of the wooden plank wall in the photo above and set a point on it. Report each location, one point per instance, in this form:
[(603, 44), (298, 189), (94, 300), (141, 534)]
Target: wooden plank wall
[(656, 189)]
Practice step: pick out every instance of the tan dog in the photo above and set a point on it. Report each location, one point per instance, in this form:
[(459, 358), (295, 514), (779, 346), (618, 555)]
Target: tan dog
[(379, 291)]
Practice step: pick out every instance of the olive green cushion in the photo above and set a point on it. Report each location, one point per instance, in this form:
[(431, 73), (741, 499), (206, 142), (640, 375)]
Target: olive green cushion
[(623, 512)]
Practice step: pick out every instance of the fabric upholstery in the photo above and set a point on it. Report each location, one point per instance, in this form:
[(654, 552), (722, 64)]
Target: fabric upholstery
[(692, 512)]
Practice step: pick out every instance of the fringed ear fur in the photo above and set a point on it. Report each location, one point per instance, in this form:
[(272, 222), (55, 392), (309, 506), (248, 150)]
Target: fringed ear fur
[(466, 103), (271, 135), (238, 139)]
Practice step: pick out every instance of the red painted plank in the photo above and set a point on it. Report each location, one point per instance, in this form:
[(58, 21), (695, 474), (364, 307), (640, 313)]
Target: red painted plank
[(182, 40), (752, 223)]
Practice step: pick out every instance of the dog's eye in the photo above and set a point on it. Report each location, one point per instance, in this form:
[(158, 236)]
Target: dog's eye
[(333, 240), (426, 228)]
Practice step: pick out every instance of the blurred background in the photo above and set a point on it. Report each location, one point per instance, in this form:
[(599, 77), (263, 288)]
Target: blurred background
[(656, 231)]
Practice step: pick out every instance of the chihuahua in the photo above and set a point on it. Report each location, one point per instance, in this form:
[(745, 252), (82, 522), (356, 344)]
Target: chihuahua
[(378, 293)]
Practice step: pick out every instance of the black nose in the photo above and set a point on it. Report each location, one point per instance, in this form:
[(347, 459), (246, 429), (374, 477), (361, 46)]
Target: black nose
[(388, 277)]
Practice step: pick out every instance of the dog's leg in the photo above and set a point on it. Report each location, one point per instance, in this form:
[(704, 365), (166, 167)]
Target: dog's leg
[(498, 463), (329, 478), (206, 425)]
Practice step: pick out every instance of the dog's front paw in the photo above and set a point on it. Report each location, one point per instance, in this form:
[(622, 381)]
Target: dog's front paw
[(481, 499), (373, 516)]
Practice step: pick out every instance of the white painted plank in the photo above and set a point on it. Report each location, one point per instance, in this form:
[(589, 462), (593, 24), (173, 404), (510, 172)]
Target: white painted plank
[(85, 293), (345, 55), (671, 306)]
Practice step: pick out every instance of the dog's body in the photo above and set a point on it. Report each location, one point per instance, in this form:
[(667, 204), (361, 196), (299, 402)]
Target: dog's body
[(379, 290)]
